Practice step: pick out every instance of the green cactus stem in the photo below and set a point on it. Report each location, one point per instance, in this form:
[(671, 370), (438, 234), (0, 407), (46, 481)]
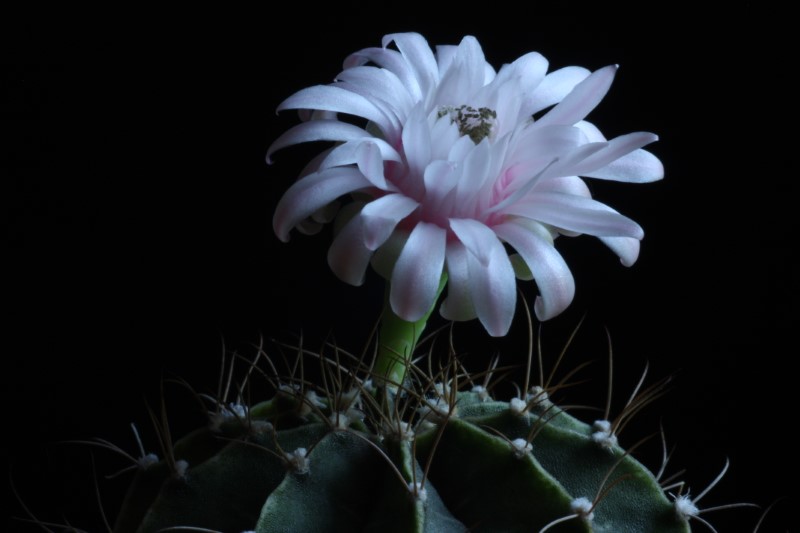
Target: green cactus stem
[(398, 340), (443, 460)]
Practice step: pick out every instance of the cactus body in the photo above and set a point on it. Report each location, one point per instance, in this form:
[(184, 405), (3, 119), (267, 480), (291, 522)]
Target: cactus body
[(477, 466)]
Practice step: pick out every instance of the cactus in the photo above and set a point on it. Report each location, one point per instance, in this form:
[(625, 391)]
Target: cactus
[(437, 454), (437, 182)]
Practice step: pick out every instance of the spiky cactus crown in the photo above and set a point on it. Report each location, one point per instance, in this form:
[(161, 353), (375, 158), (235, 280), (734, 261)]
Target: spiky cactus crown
[(436, 453)]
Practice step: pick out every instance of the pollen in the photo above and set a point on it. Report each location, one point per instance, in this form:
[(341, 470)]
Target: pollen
[(475, 123)]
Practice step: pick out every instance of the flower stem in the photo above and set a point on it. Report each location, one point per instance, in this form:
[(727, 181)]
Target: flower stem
[(397, 340)]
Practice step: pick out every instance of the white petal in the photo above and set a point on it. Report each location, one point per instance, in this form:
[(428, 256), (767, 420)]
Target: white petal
[(390, 60), (535, 147), (444, 136), (493, 188), (348, 154), (530, 69), (505, 99), (521, 77), (494, 289), (474, 173), (498, 154), (444, 57), (332, 98), (521, 191), (613, 150), (488, 74), (311, 193), (582, 99), (317, 130), (553, 88), (418, 272), (592, 132), (476, 236), (390, 125), (639, 166), (458, 303), (568, 162), (564, 185), (347, 256), (460, 149), (576, 213), (440, 178), (465, 75), (381, 216), (417, 142), (381, 84), (370, 163), (419, 56), (553, 278), (626, 248)]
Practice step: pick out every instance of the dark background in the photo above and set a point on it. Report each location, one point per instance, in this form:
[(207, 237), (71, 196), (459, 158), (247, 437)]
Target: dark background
[(137, 235)]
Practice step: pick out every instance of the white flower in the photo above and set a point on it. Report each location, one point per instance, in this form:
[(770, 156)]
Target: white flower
[(451, 167)]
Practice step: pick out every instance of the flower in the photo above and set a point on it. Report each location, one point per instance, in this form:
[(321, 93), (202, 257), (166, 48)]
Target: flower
[(456, 163)]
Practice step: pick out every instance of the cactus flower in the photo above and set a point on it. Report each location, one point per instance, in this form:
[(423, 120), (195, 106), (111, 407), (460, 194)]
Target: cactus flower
[(457, 169)]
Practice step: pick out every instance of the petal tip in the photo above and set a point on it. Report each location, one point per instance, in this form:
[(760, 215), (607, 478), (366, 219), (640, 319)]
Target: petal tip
[(497, 330), (541, 311)]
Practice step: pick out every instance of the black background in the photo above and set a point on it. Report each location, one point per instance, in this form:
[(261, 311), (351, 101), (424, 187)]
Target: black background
[(137, 235)]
